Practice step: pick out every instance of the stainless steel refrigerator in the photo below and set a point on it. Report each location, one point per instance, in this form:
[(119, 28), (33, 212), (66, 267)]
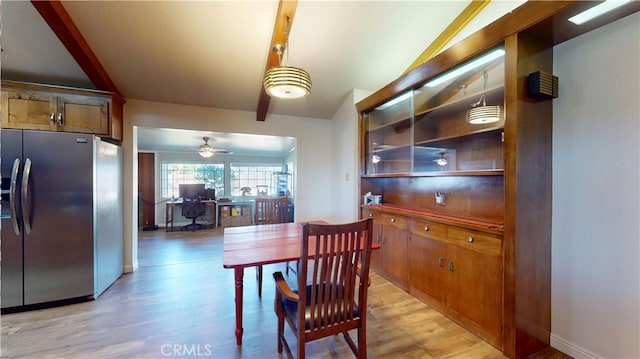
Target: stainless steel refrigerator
[(62, 234)]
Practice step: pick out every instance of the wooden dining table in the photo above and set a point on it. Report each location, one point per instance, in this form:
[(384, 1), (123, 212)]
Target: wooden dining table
[(251, 246)]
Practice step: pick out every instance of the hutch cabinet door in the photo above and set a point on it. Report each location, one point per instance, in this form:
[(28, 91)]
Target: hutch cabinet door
[(388, 137), (475, 289), (394, 249), (427, 269), (376, 256)]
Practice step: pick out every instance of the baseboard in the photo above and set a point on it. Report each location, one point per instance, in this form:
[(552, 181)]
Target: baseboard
[(130, 268), (571, 349)]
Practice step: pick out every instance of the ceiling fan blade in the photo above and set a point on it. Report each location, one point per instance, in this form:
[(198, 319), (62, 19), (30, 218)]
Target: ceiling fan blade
[(223, 151)]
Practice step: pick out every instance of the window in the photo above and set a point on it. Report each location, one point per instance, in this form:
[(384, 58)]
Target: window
[(174, 174), (258, 177), (291, 169)]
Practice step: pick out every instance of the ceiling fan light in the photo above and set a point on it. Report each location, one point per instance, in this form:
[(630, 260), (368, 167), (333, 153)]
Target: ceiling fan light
[(484, 114), (442, 160), (287, 82), (206, 151)]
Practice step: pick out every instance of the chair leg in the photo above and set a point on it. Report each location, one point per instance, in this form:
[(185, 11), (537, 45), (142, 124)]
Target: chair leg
[(301, 351), (259, 279), (290, 268), (277, 307), (362, 342), (280, 332)]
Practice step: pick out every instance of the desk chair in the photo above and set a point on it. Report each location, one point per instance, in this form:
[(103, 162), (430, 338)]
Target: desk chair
[(332, 289), (269, 210), (192, 209)]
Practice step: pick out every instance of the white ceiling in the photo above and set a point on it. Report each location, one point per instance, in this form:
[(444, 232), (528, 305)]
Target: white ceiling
[(213, 53), (172, 140)]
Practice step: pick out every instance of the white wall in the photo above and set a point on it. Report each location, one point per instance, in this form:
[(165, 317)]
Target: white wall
[(314, 169), (344, 156), (596, 195)]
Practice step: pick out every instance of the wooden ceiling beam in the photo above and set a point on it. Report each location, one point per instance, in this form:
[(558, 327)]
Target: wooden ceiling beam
[(284, 20), (470, 12), (66, 30)]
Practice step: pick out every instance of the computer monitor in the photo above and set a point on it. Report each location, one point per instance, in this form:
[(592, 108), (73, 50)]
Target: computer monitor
[(191, 190)]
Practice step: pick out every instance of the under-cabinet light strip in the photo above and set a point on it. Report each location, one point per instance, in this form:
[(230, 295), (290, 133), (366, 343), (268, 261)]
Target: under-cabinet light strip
[(596, 11), (488, 57), (395, 101)]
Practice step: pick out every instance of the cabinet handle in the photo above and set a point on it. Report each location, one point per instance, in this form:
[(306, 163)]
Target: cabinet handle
[(52, 118), (470, 239), (393, 220), (451, 266), (440, 262), (60, 119), (426, 228)]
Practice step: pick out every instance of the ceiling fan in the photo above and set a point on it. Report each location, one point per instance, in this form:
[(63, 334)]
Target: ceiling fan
[(205, 150)]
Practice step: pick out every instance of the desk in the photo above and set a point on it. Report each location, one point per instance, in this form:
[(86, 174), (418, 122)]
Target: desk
[(252, 246), (171, 206)]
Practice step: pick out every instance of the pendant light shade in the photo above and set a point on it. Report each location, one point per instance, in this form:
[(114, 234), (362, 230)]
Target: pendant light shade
[(284, 81), (287, 82), (484, 114), (481, 114)]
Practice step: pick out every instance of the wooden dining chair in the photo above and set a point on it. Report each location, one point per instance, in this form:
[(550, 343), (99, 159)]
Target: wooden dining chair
[(269, 210), (332, 289)]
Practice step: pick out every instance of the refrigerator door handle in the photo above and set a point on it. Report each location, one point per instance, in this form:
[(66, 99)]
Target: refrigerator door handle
[(13, 187), (25, 196)]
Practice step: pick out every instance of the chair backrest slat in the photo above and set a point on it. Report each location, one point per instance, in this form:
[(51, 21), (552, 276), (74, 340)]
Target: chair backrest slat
[(338, 275), (271, 210)]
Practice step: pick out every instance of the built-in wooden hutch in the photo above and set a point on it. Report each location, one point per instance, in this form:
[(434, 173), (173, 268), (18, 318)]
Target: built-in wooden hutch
[(465, 223)]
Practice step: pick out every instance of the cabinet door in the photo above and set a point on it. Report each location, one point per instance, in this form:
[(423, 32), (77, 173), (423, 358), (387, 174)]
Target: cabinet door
[(427, 257), (476, 285), (85, 114), (27, 110), (427, 269), (394, 249), (388, 137), (376, 255)]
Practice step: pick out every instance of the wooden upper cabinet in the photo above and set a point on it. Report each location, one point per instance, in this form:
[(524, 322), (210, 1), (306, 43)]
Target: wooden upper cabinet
[(52, 108), (27, 110), (88, 114), (424, 131)]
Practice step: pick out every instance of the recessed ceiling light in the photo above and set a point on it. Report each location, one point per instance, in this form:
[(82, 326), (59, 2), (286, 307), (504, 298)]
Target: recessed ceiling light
[(597, 10)]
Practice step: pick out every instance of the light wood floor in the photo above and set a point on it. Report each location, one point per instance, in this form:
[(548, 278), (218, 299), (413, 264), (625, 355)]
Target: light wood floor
[(179, 303)]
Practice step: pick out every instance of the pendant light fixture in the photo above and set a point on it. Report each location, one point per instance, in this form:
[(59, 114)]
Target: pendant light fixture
[(285, 81), (481, 114)]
